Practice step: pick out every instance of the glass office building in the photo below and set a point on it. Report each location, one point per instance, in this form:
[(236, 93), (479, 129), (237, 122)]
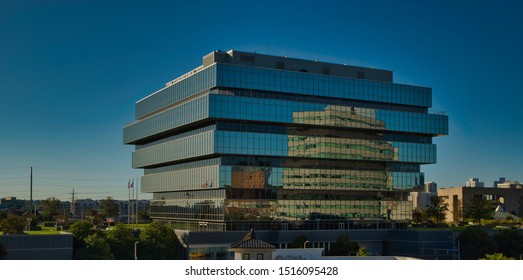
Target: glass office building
[(277, 143)]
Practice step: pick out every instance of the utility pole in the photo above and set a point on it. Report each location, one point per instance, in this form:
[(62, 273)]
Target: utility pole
[(73, 205), (31, 189), (129, 202), (132, 206), (137, 190)]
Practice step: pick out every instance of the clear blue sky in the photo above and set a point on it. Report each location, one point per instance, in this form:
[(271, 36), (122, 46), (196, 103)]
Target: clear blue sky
[(70, 72)]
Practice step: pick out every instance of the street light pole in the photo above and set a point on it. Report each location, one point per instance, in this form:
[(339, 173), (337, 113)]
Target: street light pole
[(135, 255), (29, 224), (305, 244)]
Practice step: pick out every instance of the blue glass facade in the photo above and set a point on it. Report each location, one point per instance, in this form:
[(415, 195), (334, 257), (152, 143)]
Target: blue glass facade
[(236, 143)]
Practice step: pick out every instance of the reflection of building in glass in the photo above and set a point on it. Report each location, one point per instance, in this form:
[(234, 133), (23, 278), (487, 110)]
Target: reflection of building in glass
[(280, 144), (340, 116), (250, 177), (328, 147), (359, 188)]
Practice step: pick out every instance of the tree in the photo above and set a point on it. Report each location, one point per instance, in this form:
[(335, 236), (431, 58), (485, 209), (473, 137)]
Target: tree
[(344, 247), (93, 216), (121, 240), (82, 229), (496, 256), (159, 242), (437, 209), (13, 224), (478, 209), (184, 239), (96, 248), (298, 242), (51, 208), (457, 214), (510, 243), (362, 252), (418, 215), (143, 216), (475, 243), (109, 207)]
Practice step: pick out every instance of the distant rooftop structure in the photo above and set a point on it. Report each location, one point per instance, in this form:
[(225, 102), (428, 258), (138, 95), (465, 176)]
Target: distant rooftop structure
[(431, 187), (501, 180), (501, 214), (474, 183), (510, 185)]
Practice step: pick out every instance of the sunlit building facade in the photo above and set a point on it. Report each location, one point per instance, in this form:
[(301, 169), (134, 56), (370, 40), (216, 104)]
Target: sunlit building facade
[(276, 143)]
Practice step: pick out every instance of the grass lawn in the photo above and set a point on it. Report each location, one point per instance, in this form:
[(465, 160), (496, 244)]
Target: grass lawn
[(40, 232), (36, 232), (44, 230)]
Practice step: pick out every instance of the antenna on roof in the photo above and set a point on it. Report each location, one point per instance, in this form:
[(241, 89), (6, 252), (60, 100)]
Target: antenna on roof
[(268, 45)]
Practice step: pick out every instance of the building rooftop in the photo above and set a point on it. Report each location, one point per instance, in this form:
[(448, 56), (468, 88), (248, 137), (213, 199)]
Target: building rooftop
[(251, 242), (289, 64)]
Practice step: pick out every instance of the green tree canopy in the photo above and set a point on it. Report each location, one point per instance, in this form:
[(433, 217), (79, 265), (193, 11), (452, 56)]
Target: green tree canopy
[(94, 216), (475, 243), (418, 215), (121, 239), (496, 256), (437, 209), (109, 207), (82, 229), (298, 242), (96, 248), (344, 246), (478, 209), (51, 208), (159, 242), (13, 224), (362, 252)]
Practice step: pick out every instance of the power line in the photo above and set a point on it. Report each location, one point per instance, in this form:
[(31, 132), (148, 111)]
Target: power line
[(6, 168), (79, 179), (48, 186), (76, 185), (90, 170), (117, 192)]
